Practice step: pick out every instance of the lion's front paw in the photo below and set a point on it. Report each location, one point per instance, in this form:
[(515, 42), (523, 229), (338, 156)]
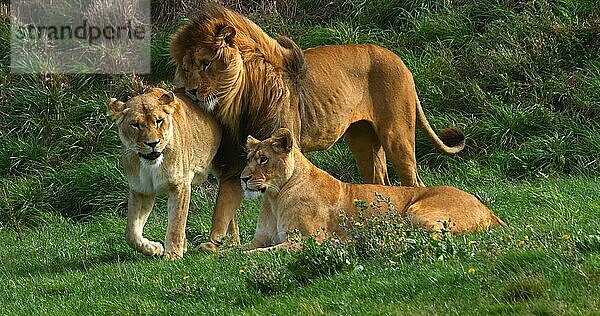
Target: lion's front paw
[(175, 251), (207, 246), (172, 255), (152, 248)]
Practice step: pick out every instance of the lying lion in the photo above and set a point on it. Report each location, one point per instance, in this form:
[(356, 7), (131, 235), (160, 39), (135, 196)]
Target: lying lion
[(168, 143), (298, 195)]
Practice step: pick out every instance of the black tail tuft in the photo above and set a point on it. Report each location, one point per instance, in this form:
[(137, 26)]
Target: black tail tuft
[(452, 137)]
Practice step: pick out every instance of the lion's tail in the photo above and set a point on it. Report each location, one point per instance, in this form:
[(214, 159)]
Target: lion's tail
[(450, 141)]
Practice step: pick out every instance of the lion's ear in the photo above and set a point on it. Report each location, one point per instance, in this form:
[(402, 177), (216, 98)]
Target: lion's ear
[(283, 139), (167, 101), (167, 97), (116, 108), (251, 142), (224, 36)]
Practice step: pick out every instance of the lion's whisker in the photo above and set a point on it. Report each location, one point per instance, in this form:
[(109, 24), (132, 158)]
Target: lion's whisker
[(273, 187)]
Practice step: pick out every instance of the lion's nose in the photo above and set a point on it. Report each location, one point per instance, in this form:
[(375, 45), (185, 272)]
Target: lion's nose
[(152, 144), (245, 178)]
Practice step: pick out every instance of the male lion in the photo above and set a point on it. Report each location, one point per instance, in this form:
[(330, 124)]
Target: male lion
[(254, 84), (301, 196), (168, 143)]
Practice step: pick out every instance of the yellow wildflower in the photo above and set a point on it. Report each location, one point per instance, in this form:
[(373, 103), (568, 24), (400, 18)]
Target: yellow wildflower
[(566, 237), (185, 278), (359, 224), (471, 270), (521, 243), (242, 271)]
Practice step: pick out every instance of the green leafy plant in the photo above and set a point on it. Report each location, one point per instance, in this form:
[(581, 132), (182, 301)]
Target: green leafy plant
[(316, 260), (387, 235), (268, 278)]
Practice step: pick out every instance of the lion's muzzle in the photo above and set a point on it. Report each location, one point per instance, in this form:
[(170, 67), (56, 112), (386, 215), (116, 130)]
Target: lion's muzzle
[(249, 191)]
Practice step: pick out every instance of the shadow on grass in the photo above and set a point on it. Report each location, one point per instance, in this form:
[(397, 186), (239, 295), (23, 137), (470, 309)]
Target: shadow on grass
[(61, 265)]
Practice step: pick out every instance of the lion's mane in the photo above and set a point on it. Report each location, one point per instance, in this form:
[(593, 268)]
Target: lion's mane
[(272, 73)]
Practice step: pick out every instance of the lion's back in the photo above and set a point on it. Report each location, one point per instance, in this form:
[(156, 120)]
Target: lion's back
[(357, 58)]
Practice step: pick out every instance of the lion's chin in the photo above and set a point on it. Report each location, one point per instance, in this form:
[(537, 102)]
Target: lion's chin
[(253, 194), (209, 103)]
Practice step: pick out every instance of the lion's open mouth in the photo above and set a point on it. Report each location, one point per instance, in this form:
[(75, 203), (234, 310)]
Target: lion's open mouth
[(151, 156)]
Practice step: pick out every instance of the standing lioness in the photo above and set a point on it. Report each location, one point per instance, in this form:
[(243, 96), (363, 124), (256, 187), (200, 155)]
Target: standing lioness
[(168, 143), (300, 196)]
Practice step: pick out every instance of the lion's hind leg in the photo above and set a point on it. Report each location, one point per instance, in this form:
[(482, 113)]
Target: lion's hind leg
[(368, 153), (401, 152), (138, 209), (453, 211), (420, 216)]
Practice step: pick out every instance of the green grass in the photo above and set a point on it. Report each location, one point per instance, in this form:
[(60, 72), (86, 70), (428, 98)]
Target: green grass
[(69, 268), (521, 78)]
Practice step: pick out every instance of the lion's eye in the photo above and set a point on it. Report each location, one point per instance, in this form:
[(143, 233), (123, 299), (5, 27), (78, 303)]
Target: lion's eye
[(263, 160), (159, 122), (205, 65), (135, 125)]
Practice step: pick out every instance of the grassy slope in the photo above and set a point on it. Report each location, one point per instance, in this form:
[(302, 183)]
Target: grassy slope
[(522, 79)]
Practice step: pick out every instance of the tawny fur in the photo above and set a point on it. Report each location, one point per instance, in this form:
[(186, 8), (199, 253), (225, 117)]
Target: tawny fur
[(188, 139), (299, 196), (255, 84)]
